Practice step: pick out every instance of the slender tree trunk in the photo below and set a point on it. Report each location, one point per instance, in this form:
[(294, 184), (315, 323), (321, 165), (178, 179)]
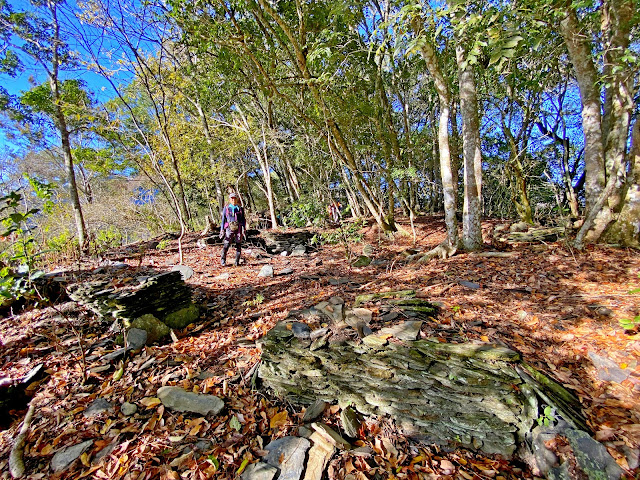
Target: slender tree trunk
[(448, 187), (471, 213), (61, 123)]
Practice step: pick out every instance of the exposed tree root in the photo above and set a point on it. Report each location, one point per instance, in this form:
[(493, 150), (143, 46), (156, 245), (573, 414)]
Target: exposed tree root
[(16, 463)]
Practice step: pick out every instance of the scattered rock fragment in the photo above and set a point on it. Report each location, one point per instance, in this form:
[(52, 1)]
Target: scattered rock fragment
[(319, 456), (64, 458), (136, 339), (330, 435), (266, 271), (608, 370), (301, 330), (471, 285), (288, 454), (128, 409), (149, 323), (350, 422), (406, 331), (186, 271), (259, 471), (178, 399), (314, 410), (97, 407)]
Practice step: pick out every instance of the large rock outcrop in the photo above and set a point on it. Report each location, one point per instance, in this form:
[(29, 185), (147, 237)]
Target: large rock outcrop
[(478, 396), (158, 295)]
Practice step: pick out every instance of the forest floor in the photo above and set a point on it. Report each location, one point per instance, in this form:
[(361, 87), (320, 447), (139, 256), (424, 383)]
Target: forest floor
[(558, 307)]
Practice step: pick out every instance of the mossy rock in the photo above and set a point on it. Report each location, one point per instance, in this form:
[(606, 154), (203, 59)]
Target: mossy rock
[(155, 328), (362, 261), (183, 317)]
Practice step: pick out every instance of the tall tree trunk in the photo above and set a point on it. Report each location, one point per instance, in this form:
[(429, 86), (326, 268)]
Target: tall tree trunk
[(587, 75), (471, 213), (61, 123), (448, 187), (626, 228), (605, 135)]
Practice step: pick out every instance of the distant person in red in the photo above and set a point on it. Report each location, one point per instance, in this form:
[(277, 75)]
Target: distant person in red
[(232, 228), (334, 211)]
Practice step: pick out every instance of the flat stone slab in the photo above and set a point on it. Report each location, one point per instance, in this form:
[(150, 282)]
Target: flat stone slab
[(319, 456), (64, 458), (331, 436), (608, 370), (223, 276), (178, 399), (406, 331), (288, 454), (350, 422), (97, 407), (592, 457)]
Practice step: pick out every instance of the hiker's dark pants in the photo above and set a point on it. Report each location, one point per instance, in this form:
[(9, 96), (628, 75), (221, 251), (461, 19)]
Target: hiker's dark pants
[(230, 239)]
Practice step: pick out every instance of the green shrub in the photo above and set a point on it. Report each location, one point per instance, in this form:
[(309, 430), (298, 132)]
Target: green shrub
[(108, 238), (303, 212)]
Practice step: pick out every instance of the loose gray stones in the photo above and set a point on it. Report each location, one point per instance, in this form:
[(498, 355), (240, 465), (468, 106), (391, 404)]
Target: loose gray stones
[(266, 271), (128, 409), (62, 459), (97, 407), (259, 471), (136, 339), (288, 454), (608, 370), (178, 399), (350, 422), (287, 271), (314, 410), (301, 330), (185, 271), (299, 251)]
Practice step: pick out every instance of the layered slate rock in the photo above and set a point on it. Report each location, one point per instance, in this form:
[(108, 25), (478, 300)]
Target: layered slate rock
[(278, 242), (158, 294), (460, 394), (154, 304)]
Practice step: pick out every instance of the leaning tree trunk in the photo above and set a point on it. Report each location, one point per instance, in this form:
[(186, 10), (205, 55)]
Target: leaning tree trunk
[(471, 213)]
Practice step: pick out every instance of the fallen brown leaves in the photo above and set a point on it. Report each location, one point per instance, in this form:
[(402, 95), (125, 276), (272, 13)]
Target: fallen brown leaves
[(550, 303)]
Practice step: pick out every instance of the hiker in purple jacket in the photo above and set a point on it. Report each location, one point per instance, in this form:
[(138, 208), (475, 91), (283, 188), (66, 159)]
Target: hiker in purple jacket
[(232, 228)]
